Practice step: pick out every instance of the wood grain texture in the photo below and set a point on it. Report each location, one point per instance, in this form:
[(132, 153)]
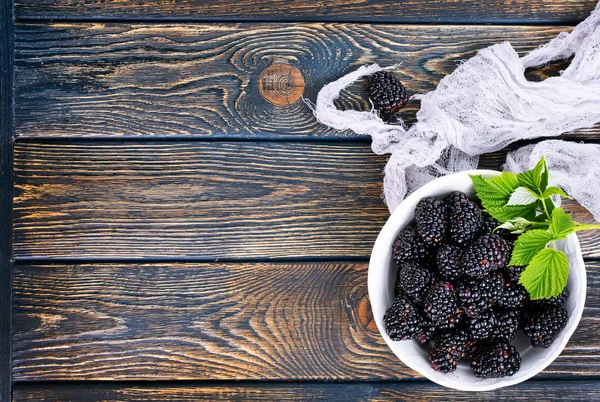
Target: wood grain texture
[(205, 200), (6, 151), (168, 199), (303, 321), (373, 392), (199, 80), (197, 321), (408, 11)]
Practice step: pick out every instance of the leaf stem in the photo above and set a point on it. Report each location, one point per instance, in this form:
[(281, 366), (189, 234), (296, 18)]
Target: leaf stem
[(546, 210), (580, 227)]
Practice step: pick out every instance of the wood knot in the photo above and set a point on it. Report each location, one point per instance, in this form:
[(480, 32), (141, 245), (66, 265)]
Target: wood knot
[(281, 84), (365, 314)]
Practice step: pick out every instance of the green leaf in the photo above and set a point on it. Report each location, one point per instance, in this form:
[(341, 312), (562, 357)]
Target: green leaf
[(532, 179), (545, 176), (507, 213), (528, 245), (547, 274), (553, 190), (504, 184), (522, 196), (496, 191), (561, 225), (549, 205)]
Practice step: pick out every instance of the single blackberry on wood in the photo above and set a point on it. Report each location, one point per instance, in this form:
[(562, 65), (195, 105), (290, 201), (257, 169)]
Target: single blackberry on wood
[(513, 296), (464, 218), (482, 326), (413, 280), (440, 305), (447, 264), (447, 351), (485, 255), (542, 325), (403, 321), (478, 295), (498, 359), (409, 246), (430, 216), (387, 93), (507, 324)]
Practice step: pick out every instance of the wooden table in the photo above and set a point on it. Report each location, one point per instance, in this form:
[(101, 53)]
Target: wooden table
[(183, 229)]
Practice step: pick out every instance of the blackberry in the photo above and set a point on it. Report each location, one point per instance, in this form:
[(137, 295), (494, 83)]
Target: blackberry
[(512, 273), (447, 265), (409, 246), (488, 224), (427, 334), (482, 326), (513, 296), (413, 280), (478, 295), (403, 321), (553, 301), (507, 323), (498, 359), (471, 348), (430, 216), (387, 93), (543, 325), (447, 351), (464, 218), (486, 254), (440, 305)]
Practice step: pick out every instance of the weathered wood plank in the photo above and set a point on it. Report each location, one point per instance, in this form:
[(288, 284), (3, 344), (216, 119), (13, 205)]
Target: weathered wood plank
[(210, 200), (197, 80), (6, 154), (401, 391), (407, 11), (309, 321), (197, 321), (204, 200)]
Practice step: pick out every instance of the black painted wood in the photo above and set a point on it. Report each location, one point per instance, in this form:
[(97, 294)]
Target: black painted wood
[(254, 391), (405, 11), (122, 80), (6, 135)]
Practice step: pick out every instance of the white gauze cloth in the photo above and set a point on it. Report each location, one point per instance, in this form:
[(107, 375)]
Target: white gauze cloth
[(484, 105)]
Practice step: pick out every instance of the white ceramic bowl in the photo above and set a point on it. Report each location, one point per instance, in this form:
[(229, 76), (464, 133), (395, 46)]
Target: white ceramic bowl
[(382, 274)]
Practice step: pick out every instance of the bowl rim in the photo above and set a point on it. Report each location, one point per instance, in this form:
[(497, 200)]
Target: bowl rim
[(390, 230)]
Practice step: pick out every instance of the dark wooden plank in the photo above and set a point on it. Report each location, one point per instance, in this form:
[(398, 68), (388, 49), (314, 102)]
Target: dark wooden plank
[(6, 152), (407, 11), (195, 80), (309, 321), (378, 391), (197, 321), (204, 200), (208, 200)]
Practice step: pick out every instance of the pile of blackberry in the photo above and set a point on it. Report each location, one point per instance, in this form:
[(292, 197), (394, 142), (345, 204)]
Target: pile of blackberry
[(455, 288)]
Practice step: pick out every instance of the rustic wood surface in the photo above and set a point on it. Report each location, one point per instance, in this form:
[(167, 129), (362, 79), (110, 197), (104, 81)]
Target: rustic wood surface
[(410, 11), (148, 253), (374, 392), (299, 321), (204, 200), (208, 200), (6, 150), (205, 80)]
